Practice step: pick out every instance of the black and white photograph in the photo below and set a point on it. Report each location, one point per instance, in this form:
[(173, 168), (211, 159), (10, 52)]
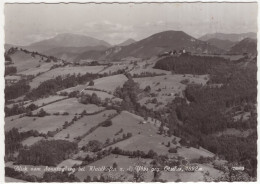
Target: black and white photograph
[(130, 92)]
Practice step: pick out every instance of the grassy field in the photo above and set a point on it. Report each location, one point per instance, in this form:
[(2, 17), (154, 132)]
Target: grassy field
[(29, 168), (39, 102), (115, 68), (63, 71), (102, 95), (13, 180), (18, 103), (12, 77), (182, 176), (145, 143), (231, 57), (167, 87), (235, 132), (31, 140), (139, 70), (109, 83), (144, 136), (83, 125), (147, 66), (44, 101), (43, 125), (71, 105), (41, 68), (193, 153), (122, 162), (83, 88), (69, 163), (76, 88), (23, 61), (198, 176)]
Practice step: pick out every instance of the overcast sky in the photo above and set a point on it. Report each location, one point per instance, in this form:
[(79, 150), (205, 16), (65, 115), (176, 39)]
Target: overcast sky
[(114, 23)]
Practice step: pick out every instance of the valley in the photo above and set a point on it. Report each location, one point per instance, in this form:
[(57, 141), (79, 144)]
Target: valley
[(169, 100)]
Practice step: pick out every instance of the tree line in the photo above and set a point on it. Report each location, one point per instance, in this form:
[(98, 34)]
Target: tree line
[(48, 153)]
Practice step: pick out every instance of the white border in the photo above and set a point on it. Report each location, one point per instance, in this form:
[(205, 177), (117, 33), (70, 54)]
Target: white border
[(2, 84)]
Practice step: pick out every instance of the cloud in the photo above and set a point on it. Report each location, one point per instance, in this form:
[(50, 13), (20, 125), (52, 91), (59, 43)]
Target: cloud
[(105, 30)]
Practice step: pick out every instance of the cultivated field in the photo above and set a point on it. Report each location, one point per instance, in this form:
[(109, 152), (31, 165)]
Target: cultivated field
[(83, 125), (40, 68), (31, 140), (115, 68), (45, 101), (75, 88), (13, 180), (167, 87), (102, 95), (12, 77), (23, 61), (235, 132), (139, 70), (193, 153), (110, 83), (144, 136), (146, 66), (63, 71), (83, 89), (70, 105), (43, 124)]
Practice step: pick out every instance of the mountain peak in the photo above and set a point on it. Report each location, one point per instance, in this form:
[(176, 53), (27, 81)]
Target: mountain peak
[(158, 43), (68, 40), (172, 33), (234, 37), (247, 45), (64, 35), (127, 42)]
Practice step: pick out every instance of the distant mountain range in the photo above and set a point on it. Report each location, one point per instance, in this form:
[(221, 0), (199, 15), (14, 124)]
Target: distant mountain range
[(70, 53), (222, 44), (247, 45), (153, 45), (231, 37), (127, 42), (74, 47), (66, 46), (66, 40)]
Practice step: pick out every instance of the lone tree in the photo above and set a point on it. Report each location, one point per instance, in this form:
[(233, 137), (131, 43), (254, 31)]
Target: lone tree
[(42, 113), (147, 89), (115, 165), (91, 83)]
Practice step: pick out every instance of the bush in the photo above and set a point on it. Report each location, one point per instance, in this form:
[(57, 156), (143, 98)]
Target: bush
[(42, 113), (93, 145), (10, 70), (107, 123), (172, 150), (91, 83)]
